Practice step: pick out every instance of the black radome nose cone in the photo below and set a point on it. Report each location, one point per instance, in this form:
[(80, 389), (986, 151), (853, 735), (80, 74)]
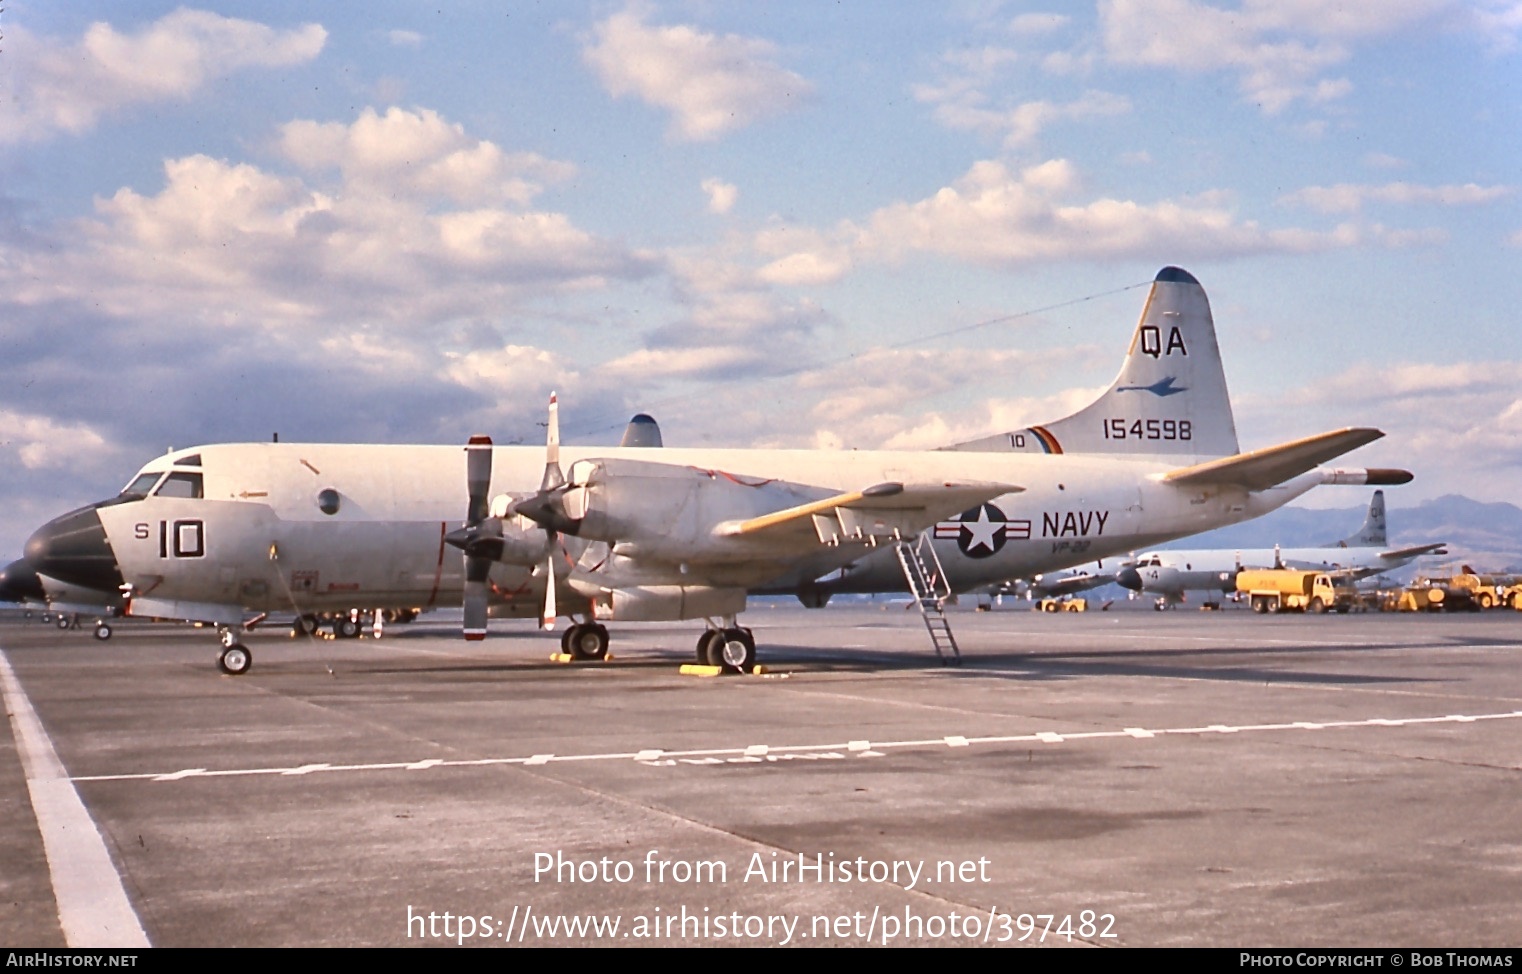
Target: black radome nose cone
[(1129, 578), (19, 583), (73, 548)]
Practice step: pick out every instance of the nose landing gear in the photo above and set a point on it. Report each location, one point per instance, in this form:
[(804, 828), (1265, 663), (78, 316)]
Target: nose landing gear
[(235, 659)]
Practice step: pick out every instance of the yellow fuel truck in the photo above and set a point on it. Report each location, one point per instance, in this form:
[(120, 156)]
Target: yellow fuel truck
[(1293, 590)]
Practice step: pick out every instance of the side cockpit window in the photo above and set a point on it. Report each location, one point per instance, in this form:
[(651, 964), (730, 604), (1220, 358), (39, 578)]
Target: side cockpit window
[(180, 484), (141, 486)]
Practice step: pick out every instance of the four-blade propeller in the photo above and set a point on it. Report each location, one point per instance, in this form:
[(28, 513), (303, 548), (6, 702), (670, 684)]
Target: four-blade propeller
[(481, 537)]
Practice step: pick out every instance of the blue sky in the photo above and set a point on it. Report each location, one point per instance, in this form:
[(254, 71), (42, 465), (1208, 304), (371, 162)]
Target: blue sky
[(394, 223)]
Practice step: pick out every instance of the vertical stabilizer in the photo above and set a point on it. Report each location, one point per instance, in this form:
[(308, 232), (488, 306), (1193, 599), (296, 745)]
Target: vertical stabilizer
[(1170, 398), (641, 431), (1372, 534)]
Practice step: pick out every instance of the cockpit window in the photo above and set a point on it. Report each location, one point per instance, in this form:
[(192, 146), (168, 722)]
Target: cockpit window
[(142, 485), (194, 460), (181, 485)]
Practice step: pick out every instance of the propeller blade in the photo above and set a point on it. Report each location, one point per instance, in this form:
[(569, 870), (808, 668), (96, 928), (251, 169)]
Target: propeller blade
[(553, 477), (470, 539), (476, 595), (548, 620), (477, 478)]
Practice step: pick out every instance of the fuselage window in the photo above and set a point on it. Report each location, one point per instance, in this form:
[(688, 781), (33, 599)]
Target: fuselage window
[(181, 485), (142, 485)]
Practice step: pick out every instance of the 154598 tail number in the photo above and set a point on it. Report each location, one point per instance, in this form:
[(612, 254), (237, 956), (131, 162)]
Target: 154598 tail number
[(1148, 429)]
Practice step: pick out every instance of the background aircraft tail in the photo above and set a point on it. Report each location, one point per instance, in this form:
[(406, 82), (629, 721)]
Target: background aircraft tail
[(1170, 398), (1372, 534)]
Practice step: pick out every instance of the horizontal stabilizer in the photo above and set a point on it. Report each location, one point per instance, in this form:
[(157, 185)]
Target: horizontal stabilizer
[(1440, 548), (1271, 466), (905, 508)]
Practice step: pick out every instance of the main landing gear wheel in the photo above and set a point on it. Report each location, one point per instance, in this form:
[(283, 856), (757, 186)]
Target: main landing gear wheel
[(732, 649), (706, 636), (586, 641), (235, 659), (103, 632)]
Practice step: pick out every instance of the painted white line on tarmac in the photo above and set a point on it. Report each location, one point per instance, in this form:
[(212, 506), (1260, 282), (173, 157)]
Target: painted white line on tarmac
[(93, 908), (773, 753)]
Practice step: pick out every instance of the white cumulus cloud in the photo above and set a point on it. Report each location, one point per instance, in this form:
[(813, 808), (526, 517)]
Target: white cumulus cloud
[(711, 84), (61, 86), (1351, 197), (721, 195), (1279, 49)]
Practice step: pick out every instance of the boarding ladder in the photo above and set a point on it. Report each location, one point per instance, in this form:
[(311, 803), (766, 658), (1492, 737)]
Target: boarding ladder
[(927, 583)]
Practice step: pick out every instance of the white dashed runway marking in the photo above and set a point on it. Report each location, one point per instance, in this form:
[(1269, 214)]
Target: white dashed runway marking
[(771, 753)]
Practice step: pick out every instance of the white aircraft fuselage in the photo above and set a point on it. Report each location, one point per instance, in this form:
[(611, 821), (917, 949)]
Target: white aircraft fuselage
[(257, 539)]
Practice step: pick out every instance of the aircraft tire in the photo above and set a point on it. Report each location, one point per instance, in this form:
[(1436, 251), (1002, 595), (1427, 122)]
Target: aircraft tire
[(588, 642), (235, 660), (703, 639), (734, 650), (102, 632)]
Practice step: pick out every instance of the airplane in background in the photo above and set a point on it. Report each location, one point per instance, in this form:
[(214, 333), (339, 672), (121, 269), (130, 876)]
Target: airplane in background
[(211, 532), (1052, 585), (62, 602), (1169, 575)]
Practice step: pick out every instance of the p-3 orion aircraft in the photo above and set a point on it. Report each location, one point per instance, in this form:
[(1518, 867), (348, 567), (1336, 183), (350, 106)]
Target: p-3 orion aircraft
[(1169, 574), (214, 532)]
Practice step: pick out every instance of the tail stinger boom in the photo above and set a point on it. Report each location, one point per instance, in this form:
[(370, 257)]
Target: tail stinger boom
[(1170, 398)]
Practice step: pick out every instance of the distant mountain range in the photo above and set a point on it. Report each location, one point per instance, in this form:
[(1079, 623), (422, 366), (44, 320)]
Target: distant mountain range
[(1485, 536)]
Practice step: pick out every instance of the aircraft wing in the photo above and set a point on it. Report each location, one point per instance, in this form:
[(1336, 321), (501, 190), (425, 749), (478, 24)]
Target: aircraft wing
[(1268, 467), (884, 511)]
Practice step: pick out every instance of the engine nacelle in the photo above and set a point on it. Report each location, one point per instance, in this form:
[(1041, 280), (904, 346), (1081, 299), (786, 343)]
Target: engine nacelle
[(665, 603), (665, 511)]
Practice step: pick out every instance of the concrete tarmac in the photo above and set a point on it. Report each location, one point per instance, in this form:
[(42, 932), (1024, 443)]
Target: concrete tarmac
[(1141, 778)]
